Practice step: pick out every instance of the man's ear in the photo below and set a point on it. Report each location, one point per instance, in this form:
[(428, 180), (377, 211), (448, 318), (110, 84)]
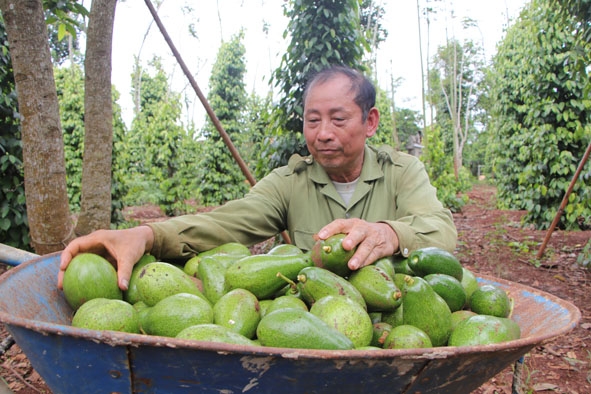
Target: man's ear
[(373, 119)]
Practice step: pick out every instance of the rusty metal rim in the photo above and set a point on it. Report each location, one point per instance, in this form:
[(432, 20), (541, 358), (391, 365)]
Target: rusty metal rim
[(115, 338)]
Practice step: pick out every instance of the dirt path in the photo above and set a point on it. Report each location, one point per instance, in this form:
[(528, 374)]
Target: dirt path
[(493, 242)]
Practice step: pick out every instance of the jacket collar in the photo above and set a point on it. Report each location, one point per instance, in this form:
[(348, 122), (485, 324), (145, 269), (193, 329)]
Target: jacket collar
[(370, 171)]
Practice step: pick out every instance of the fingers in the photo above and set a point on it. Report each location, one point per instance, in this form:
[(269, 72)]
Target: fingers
[(373, 240), (77, 246), (123, 248), (338, 226)]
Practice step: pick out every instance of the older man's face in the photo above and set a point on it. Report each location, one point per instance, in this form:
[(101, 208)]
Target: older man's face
[(334, 130)]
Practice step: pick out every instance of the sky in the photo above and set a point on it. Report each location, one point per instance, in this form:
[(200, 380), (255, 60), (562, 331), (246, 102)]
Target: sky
[(136, 35)]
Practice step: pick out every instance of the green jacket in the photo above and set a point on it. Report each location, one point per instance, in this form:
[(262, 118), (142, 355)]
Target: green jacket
[(393, 188)]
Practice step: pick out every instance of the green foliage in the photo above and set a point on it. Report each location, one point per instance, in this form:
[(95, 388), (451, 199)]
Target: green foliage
[(371, 17), (70, 91), (454, 88), (540, 118), (254, 140), (407, 124), (385, 132), (14, 227), (321, 33), (154, 158), (69, 83), (64, 19), (439, 166), (119, 130), (64, 15), (221, 177)]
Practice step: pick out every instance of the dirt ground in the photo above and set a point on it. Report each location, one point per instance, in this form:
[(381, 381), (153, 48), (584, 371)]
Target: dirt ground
[(490, 242)]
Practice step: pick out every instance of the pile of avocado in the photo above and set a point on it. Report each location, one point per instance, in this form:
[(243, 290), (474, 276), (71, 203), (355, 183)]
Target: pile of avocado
[(290, 299)]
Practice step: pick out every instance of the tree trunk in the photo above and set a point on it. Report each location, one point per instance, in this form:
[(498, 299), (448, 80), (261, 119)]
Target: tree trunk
[(46, 196), (95, 207)]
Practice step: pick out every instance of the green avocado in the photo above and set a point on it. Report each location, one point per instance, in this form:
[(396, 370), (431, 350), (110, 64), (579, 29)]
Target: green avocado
[(394, 318), (209, 332), (131, 294), (346, 316), (470, 283), (285, 249), (286, 301), (484, 330), (387, 264), (107, 314), (159, 280), (330, 254), (239, 311), (175, 313), (400, 264), (377, 288), (233, 251), (489, 299), (458, 316), (296, 328), (381, 330), (212, 274), (407, 337), (425, 309), (433, 260), (449, 288), (260, 274), (315, 283)]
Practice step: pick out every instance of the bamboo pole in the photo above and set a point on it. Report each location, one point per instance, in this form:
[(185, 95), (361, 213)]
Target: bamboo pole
[(203, 99), (564, 202)]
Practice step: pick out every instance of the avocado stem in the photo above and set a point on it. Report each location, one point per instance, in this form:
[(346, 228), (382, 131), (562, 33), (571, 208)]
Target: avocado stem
[(291, 283), (327, 248)]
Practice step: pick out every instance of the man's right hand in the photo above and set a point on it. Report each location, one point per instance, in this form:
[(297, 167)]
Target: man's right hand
[(123, 248)]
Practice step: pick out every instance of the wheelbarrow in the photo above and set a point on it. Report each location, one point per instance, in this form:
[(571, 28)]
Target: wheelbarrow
[(36, 314)]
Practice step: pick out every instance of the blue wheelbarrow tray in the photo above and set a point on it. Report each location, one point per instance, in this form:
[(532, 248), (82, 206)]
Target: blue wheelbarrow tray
[(74, 360)]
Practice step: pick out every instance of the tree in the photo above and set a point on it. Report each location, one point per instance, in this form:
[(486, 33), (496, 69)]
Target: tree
[(14, 228), (322, 33), (407, 124), (455, 77), (383, 134), (221, 178), (43, 152), (375, 33), (95, 212), (543, 105), (153, 156)]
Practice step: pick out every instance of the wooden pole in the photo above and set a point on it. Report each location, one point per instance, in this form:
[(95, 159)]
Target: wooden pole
[(564, 202), (208, 109)]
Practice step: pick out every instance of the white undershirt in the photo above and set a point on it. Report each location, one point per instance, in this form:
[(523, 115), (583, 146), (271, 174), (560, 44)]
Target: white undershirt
[(345, 190)]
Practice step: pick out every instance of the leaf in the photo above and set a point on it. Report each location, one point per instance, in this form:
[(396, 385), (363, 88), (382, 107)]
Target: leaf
[(61, 31)]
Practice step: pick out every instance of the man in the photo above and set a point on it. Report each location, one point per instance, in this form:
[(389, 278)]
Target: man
[(381, 199)]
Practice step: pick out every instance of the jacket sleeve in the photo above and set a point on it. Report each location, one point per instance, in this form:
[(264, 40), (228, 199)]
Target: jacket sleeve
[(254, 218)]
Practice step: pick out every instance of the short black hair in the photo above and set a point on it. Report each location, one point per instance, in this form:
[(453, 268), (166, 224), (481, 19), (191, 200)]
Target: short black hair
[(365, 92)]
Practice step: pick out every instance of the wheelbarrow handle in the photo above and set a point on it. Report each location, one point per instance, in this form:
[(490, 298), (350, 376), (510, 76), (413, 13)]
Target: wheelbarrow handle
[(13, 256)]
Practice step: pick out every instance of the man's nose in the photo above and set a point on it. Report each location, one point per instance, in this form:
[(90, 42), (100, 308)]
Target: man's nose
[(325, 131)]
